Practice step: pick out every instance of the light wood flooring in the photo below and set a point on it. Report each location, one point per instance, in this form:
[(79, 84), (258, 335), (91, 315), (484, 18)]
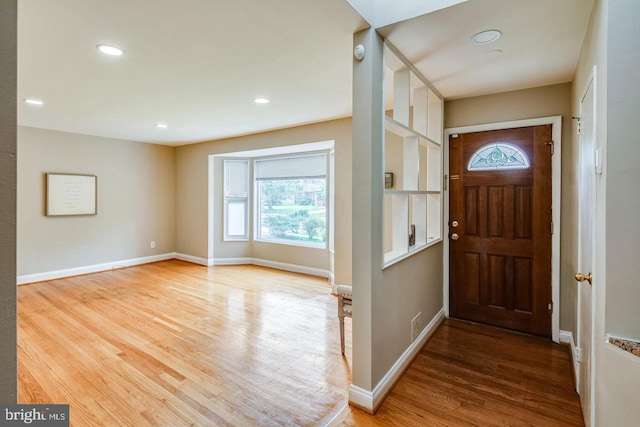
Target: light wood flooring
[(475, 375), (175, 344)]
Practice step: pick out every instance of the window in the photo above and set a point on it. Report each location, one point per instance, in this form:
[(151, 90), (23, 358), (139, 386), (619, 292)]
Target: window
[(291, 198), (332, 185), (236, 199), (498, 155)]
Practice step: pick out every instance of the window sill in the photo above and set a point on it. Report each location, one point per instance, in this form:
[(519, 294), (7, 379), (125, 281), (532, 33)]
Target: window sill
[(299, 245)]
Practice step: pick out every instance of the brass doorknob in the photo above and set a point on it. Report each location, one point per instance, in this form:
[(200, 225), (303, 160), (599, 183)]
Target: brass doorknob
[(455, 236), (581, 277)]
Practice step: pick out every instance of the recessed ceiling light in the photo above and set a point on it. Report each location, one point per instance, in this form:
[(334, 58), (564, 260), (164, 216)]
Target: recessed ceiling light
[(33, 101), (161, 125), (262, 100), (485, 37), (110, 50)]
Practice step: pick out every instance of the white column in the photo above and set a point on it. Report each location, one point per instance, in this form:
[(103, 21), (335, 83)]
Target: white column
[(367, 205)]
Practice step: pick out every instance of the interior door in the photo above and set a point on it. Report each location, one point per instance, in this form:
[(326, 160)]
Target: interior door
[(586, 215), (500, 228)]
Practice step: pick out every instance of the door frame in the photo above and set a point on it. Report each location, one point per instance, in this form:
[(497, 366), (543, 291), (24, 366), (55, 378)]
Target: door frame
[(556, 178), (591, 83)]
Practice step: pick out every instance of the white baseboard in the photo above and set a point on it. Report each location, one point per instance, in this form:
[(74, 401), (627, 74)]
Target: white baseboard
[(232, 261), (292, 267), (194, 259), (274, 264), (566, 337), (361, 397), (370, 400), (76, 271)]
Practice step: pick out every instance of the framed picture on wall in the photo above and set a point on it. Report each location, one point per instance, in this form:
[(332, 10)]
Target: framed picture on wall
[(71, 194)]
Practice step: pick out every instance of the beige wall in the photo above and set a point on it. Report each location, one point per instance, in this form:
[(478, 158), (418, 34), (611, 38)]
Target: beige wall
[(412, 286), (136, 201), (8, 84), (193, 226), (546, 101), (386, 300)]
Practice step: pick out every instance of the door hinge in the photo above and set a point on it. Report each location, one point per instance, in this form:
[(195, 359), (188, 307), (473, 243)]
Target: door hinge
[(550, 306), (578, 354), (578, 124), (552, 145), (552, 227), (445, 183)]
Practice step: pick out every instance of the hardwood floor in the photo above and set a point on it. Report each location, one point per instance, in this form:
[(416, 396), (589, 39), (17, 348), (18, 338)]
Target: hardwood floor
[(475, 375), (174, 344)]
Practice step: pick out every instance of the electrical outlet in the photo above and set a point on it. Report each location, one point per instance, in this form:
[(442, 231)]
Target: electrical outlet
[(152, 244), (416, 326)]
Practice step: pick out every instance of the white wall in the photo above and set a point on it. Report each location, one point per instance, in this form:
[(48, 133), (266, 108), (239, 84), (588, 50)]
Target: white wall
[(136, 201), (8, 84), (192, 162), (623, 152), (611, 45)]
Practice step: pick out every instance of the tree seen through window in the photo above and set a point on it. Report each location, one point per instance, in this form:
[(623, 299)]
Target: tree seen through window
[(293, 210)]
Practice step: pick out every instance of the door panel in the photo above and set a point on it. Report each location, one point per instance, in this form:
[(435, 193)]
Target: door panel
[(501, 262), (585, 250)]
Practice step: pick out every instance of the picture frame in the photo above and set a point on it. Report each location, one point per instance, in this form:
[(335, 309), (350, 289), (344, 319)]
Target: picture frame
[(69, 194)]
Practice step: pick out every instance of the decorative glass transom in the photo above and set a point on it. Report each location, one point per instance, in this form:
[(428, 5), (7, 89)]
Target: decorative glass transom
[(498, 155)]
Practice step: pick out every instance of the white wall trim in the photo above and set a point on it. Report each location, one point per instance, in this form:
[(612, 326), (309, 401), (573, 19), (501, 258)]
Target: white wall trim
[(292, 267), (370, 400), (194, 259), (77, 271), (95, 268), (361, 397), (274, 264), (566, 337), (556, 202), (232, 261)]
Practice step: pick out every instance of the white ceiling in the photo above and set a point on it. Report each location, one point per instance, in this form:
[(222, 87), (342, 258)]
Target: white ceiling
[(540, 44), (197, 65)]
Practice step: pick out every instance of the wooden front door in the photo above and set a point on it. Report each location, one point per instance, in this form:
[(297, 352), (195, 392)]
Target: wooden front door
[(500, 228)]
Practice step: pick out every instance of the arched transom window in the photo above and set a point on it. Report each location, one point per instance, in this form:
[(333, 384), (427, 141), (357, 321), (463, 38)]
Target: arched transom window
[(498, 155)]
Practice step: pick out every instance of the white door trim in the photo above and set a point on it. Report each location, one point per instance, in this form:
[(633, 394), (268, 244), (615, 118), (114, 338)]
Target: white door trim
[(556, 162), (591, 83)]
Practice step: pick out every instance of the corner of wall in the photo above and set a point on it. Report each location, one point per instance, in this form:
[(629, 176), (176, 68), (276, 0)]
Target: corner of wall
[(8, 187)]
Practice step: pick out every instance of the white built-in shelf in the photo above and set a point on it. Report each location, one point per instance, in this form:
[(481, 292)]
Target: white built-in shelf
[(399, 129), (413, 153)]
